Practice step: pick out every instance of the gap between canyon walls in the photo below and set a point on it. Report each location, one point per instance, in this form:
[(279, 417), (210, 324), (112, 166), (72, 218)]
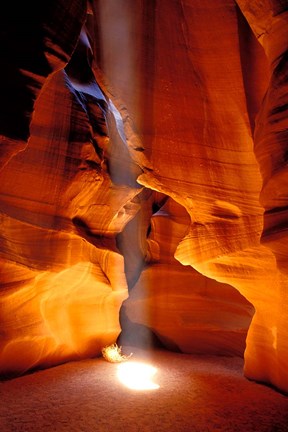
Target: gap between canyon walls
[(142, 144), (204, 92), (171, 304), (140, 125)]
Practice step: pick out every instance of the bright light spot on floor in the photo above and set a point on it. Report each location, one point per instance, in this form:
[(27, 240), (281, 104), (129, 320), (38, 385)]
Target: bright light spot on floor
[(137, 376)]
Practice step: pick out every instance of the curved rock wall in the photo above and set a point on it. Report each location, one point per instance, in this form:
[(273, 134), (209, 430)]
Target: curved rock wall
[(140, 174), (62, 278), (201, 85)]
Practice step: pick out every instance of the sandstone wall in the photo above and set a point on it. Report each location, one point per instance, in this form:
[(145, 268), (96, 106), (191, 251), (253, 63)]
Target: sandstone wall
[(148, 167)]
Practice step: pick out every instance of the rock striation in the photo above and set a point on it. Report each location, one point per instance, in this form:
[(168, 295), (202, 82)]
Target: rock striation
[(143, 175)]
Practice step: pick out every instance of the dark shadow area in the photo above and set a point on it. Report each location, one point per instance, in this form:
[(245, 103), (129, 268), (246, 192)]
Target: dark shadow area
[(255, 67)]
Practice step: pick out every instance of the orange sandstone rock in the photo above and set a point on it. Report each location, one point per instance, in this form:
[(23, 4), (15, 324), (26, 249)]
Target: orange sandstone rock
[(151, 163)]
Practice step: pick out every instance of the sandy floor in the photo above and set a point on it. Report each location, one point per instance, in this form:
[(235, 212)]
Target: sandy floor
[(195, 394)]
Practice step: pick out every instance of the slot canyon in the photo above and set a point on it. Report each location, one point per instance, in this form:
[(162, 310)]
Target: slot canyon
[(143, 196)]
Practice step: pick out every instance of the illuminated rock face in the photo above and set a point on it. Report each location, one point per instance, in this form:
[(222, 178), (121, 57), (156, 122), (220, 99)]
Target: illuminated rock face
[(62, 278), (141, 174), (186, 310)]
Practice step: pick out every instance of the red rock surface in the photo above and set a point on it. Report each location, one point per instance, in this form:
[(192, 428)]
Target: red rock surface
[(151, 164)]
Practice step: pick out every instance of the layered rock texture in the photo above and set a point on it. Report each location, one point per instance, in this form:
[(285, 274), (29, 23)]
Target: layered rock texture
[(143, 181)]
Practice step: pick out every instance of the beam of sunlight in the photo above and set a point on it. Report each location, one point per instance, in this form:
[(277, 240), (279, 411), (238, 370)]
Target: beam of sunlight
[(137, 375)]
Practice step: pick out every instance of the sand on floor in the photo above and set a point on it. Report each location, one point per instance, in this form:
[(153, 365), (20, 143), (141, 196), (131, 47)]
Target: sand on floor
[(190, 393)]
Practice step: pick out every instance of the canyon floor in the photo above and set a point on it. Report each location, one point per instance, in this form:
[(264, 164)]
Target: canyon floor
[(191, 394)]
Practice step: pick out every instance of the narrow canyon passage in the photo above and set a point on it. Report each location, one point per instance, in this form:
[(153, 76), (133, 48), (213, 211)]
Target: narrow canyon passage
[(143, 200)]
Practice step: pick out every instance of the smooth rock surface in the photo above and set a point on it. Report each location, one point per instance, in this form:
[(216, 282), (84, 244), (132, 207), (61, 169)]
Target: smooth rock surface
[(146, 153)]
